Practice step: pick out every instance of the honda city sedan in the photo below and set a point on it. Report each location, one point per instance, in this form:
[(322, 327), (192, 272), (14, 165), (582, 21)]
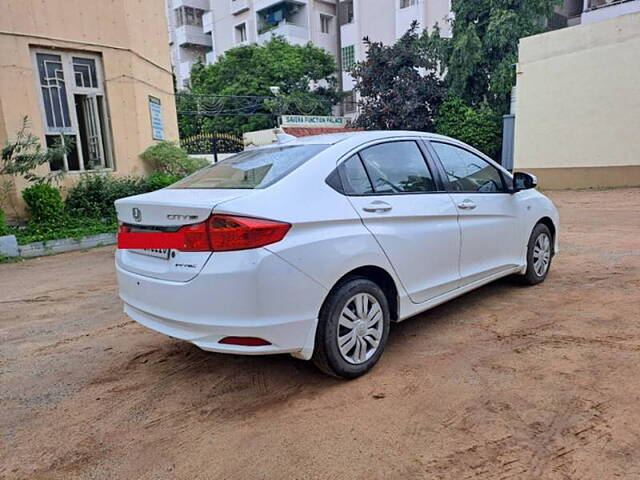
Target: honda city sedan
[(315, 246)]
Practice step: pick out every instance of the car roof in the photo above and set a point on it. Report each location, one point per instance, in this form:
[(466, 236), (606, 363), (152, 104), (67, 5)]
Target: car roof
[(333, 138)]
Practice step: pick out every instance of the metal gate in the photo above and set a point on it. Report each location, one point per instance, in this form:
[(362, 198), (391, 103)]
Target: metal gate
[(212, 144)]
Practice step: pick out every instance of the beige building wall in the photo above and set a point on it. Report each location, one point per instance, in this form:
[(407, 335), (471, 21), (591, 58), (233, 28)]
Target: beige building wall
[(131, 39), (578, 104)]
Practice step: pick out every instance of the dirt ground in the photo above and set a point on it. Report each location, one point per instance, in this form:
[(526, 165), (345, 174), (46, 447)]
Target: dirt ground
[(506, 382)]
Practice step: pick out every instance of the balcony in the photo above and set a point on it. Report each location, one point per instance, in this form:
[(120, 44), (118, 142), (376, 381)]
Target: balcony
[(596, 10), (207, 23), (188, 35), (593, 4), (263, 4), (239, 6), (295, 34), (201, 4)]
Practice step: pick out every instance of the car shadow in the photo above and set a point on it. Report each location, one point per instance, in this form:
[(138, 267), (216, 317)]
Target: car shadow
[(234, 385), (424, 323)]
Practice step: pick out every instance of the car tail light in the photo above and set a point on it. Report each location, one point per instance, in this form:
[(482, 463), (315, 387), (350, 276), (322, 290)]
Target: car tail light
[(245, 341), (228, 232), (218, 233)]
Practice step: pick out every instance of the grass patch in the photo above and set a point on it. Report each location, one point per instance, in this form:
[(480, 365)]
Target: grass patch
[(6, 259), (66, 227)]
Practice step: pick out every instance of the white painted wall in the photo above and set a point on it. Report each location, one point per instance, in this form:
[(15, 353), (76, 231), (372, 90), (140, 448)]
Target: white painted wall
[(578, 98)]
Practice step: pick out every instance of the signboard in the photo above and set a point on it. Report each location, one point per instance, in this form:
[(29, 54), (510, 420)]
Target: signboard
[(312, 121), (157, 126)]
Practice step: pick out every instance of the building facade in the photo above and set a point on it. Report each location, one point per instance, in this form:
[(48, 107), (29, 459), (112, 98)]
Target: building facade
[(215, 26), (577, 104), (205, 29), (382, 21), (240, 22), (106, 85), (187, 21)]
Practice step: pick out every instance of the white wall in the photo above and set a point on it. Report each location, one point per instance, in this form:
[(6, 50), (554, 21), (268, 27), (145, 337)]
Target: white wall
[(578, 103)]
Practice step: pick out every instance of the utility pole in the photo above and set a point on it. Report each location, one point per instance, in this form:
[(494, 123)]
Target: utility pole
[(339, 53)]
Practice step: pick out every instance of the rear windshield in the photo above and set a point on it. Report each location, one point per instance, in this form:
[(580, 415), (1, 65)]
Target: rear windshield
[(251, 169)]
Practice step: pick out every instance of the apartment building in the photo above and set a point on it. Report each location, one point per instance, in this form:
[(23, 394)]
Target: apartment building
[(205, 29), (382, 21), (238, 22), (187, 21)]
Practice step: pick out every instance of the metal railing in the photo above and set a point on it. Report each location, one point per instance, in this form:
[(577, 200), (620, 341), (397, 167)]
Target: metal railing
[(595, 4)]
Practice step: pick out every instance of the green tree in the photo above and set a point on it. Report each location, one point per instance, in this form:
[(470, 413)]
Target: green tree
[(479, 126), (484, 47), (22, 157), (399, 85), (305, 75), (168, 158)]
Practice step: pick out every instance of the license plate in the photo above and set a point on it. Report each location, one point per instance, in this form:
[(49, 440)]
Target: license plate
[(153, 252)]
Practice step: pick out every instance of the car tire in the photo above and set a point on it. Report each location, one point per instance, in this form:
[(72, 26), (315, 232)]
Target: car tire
[(356, 316), (539, 255)]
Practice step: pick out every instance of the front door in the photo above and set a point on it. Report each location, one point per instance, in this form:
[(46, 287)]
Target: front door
[(491, 240), (394, 192)]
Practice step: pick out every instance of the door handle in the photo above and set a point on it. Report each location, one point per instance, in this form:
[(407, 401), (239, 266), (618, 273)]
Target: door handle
[(467, 205), (377, 206)]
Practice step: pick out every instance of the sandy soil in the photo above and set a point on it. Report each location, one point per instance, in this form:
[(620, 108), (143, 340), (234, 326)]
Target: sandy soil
[(506, 382)]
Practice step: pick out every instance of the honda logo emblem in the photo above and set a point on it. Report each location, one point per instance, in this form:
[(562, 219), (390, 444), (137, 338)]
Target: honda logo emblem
[(137, 214)]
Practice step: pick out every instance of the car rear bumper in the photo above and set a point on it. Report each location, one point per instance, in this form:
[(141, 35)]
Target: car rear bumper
[(252, 293), (289, 337)]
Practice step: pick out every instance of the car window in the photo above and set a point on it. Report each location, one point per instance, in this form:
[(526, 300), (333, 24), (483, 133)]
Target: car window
[(251, 169), (397, 167), (355, 179), (468, 172)]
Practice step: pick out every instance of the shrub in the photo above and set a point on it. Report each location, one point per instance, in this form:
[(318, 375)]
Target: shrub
[(158, 180), (44, 202), (168, 157), (25, 154), (94, 194), (479, 127), (4, 228)]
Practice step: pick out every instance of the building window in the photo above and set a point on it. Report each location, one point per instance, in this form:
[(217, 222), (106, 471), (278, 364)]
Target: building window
[(407, 3), (241, 33), (325, 23), (346, 12), (74, 108), (348, 58), (189, 16)]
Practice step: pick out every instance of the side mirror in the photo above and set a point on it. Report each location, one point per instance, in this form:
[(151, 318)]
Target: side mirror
[(524, 181)]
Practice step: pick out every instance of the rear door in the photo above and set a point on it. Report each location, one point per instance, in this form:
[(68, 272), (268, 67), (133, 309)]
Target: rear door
[(488, 213), (415, 222)]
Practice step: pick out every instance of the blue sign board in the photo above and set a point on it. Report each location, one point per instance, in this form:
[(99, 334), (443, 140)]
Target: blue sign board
[(157, 127)]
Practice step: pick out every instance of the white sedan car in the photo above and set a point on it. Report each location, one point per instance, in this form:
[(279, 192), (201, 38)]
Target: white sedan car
[(313, 247)]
